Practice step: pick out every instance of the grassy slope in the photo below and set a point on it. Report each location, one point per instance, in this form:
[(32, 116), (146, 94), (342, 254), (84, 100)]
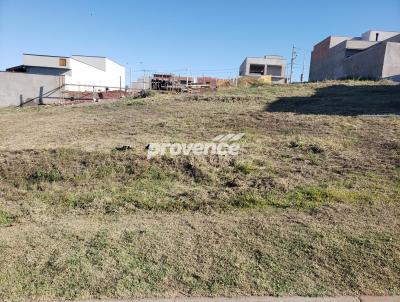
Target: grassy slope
[(310, 207)]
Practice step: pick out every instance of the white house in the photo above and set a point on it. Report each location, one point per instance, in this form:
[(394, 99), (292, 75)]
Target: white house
[(80, 73)]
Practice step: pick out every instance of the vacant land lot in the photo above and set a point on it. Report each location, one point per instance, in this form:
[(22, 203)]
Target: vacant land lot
[(309, 207)]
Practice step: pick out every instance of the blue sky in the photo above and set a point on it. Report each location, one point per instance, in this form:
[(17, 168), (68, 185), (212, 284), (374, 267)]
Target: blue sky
[(208, 37)]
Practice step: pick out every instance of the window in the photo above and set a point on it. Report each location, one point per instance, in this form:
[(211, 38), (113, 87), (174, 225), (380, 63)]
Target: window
[(257, 69), (62, 62), (274, 70)]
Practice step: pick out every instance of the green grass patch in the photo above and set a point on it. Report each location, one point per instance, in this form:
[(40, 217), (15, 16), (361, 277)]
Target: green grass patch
[(82, 200), (46, 175), (244, 167), (5, 219), (248, 200), (304, 197)]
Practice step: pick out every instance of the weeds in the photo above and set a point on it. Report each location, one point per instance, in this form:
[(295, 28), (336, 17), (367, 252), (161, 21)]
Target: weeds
[(5, 219), (245, 168), (49, 175)]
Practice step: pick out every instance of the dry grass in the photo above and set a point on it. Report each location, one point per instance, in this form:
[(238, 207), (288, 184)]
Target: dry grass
[(309, 207)]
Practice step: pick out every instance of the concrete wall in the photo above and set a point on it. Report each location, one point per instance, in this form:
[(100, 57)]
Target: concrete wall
[(335, 40), (84, 74), (16, 87), (366, 64), (44, 61), (357, 57), (330, 65), (391, 67), (322, 49), (382, 35), (359, 44), (274, 70), (98, 62), (394, 39), (243, 68), (255, 61), (382, 60), (114, 73)]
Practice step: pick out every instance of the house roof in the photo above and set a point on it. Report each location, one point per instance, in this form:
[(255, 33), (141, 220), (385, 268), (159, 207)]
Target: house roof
[(33, 54), (22, 68), (101, 57), (71, 57)]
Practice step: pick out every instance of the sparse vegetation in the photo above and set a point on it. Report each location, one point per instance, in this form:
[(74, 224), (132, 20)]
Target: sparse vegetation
[(309, 207), (5, 219)]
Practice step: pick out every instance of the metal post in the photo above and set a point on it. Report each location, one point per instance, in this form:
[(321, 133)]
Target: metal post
[(41, 95), (302, 70), (130, 77), (291, 65), (144, 75)]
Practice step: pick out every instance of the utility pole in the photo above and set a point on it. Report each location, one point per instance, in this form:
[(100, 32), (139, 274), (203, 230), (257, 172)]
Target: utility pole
[(144, 75), (130, 77), (292, 63), (287, 73)]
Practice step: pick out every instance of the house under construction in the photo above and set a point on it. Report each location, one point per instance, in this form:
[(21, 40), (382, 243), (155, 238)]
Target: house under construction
[(171, 82)]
